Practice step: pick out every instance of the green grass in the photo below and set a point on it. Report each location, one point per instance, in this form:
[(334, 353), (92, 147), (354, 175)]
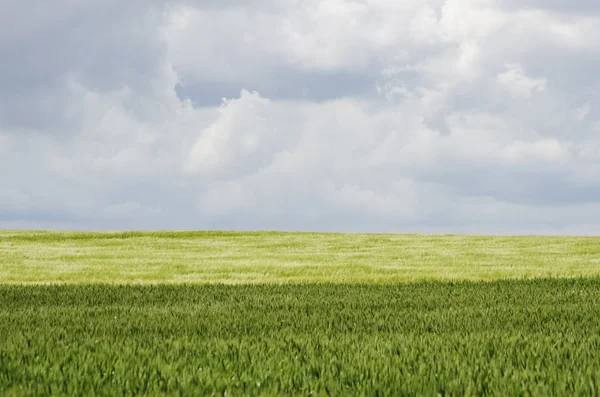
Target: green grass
[(226, 313), (528, 337), (229, 257)]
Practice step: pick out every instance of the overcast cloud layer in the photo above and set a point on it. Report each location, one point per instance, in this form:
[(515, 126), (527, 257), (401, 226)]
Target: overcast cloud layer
[(454, 116)]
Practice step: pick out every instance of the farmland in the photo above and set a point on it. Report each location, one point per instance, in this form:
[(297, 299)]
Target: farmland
[(509, 337), (255, 257), (255, 314)]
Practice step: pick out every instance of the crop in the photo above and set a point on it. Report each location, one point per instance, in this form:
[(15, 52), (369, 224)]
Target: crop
[(42, 257), (511, 337)]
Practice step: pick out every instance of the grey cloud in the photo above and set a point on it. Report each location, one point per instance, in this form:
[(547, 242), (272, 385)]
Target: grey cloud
[(108, 122), (104, 46), (283, 85), (559, 6), (518, 186)]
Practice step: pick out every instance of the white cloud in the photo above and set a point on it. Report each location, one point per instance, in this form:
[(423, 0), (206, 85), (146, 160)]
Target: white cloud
[(463, 20), (224, 198), (469, 132), (559, 30), (401, 204), (545, 151), (244, 137), (515, 81), (582, 112)]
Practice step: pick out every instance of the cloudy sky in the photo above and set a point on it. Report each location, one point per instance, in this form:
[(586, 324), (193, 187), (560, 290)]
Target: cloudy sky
[(428, 116)]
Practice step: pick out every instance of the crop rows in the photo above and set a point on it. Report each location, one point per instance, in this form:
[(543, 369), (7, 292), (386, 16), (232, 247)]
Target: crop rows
[(537, 337)]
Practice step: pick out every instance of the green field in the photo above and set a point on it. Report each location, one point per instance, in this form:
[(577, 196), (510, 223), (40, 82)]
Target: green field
[(230, 257), (505, 338), (219, 313)]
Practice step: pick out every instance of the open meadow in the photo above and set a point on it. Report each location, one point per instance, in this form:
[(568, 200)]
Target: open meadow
[(223, 313)]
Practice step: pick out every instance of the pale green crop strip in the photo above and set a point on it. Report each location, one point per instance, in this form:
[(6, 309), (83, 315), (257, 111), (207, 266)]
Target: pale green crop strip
[(35, 257)]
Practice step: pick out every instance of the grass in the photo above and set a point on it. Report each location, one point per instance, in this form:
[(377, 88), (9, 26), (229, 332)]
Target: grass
[(536, 337), (226, 313), (43, 257)]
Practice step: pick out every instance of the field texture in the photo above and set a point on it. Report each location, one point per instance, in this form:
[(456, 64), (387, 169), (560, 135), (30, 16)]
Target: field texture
[(216, 313), (226, 257), (503, 338)]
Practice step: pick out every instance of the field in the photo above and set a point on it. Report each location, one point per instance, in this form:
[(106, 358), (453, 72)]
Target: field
[(229, 257), (298, 314)]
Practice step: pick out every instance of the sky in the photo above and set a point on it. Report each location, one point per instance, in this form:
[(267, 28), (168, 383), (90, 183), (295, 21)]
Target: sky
[(404, 116)]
